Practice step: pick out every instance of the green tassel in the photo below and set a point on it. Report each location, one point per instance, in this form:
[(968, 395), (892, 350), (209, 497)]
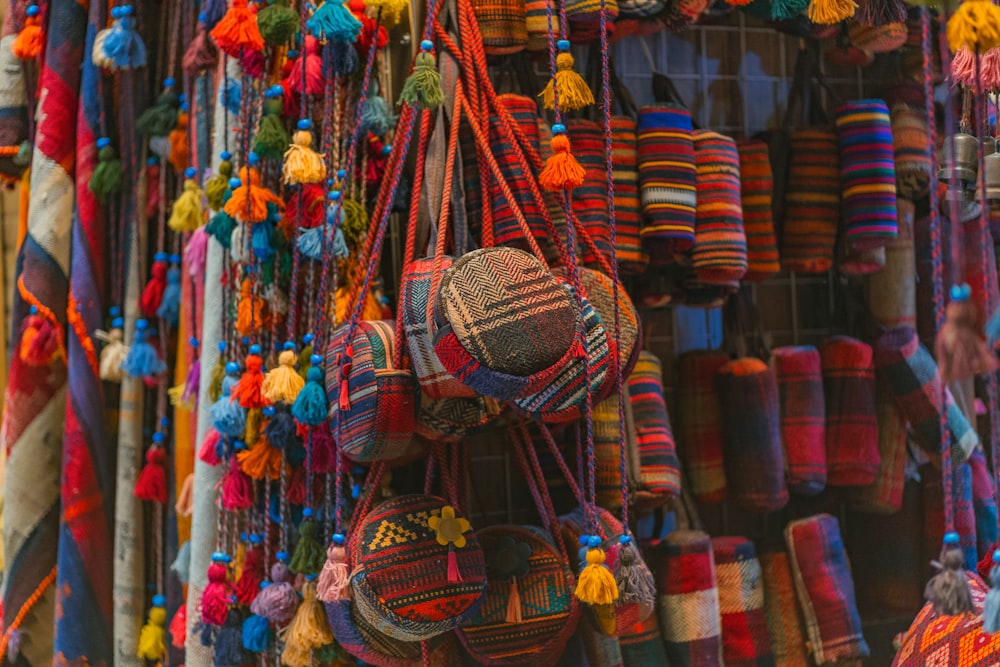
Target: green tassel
[(285, 267), (278, 23), (309, 556), (786, 9), (107, 177), (423, 86), (216, 186), (272, 138), (161, 118), (355, 221), (304, 360)]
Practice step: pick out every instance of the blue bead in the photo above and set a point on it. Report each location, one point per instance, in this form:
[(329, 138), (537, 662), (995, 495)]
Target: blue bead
[(268, 410), (141, 324), (584, 540), (103, 142), (310, 577), (292, 53), (161, 257), (563, 45), (114, 311), (315, 359), (594, 541), (951, 538), (625, 539), (190, 172), (152, 161), (118, 322), (31, 11), (243, 536), (341, 173), (239, 445), (159, 600), (426, 45), (128, 10), (245, 339), (289, 345), (308, 338), (282, 556), (232, 368), (221, 346), (996, 556), (203, 18), (33, 310), (116, 12), (184, 106), (333, 195), (253, 158), (169, 82), (175, 259), (193, 342), (307, 512), (338, 538), (235, 183), (220, 557), (255, 538), (182, 98), (304, 124), (558, 128), (264, 584), (387, 149), (164, 421), (255, 349), (157, 437), (225, 155)]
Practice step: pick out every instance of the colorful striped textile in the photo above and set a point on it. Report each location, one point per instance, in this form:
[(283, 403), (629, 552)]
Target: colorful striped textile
[(782, 612), (812, 202), (607, 452), (822, 576), (584, 18), (892, 292), (756, 190), (631, 256), (501, 25), (537, 24), (755, 468), (642, 645), (590, 200), (688, 599), (867, 173), (656, 471), (984, 503), (699, 424), (667, 182), (506, 231), (852, 455), (745, 639), (885, 494), (910, 150), (799, 373), (719, 253)]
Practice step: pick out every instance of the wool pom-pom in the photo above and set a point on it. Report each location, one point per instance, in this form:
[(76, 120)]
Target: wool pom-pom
[(123, 45), (327, 239), (423, 86), (333, 21), (238, 30), (217, 184), (278, 23), (247, 391), (333, 579), (574, 93), (283, 383), (308, 631), (355, 222), (106, 179), (261, 461), (228, 649), (635, 584), (323, 455), (878, 13), (948, 590), (202, 55), (41, 341), (960, 349), (180, 149), (280, 428), (196, 252), (170, 305), (314, 79), (974, 25), (237, 489), (278, 601), (562, 170), (228, 417), (182, 563), (257, 636), (151, 485), (30, 40), (97, 54), (308, 557), (272, 139), (152, 294), (112, 354), (252, 574), (221, 227), (596, 585), (305, 207), (152, 645), (250, 311), (830, 12), (389, 11), (178, 627), (249, 201), (310, 406), (376, 116), (262, 240), (209, 450), (161, 118), (302, 163), (142, 360)]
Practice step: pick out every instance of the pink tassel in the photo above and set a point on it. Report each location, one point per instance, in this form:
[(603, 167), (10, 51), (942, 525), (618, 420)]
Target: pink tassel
[(237, 489), (963, 67), (454, 576), (333, 579), (989, 70), (323, 449), (278, 601), (208, 452), (314, 71), (253, 63), (514, 614), (218, 592), (195, 253)]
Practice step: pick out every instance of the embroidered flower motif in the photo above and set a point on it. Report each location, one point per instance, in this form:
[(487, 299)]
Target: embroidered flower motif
[(449, 528), (511, 559)]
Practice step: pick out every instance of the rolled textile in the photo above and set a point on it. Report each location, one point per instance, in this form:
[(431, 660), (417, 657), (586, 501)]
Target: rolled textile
[(885, 494), (631, 256), (506, 231), (781, 611), (892, 297), (799, 374), (812, 202), (607, 448), (590, 200), (984, 503), (719, 253), (688, 599), (642, 644), (756, 189), (867, 173), (852, 454), (699, 432), (825, 589), (501, 25), (751, 426), (656, 470), (536, 23), (911, 152), (745, 638), (667, 187)]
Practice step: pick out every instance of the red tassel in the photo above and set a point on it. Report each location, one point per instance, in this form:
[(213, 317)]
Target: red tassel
[(238, 30), (237, 489), (152, 189), (313, 63), (247, 390), (561, 170), (152, 482), (215, 598), (208, 452), (297, 486), (514, 614), (254, 64), (324, 455), (248, 584), (152, 295), (454, 576), (178, 627), (40, 341), (313, 212)]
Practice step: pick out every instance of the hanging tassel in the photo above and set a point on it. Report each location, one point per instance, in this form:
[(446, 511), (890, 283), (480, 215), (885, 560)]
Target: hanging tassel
[(222, 225), (106, 179), (514, 613), (280, 428), (562, 171), (257, 636), (302, 163), (209, 451), (114, 350), (196, 253), (123, 45), (231, 95), (218, 373), (41, 340), (182, 563), (308, 631), (247, 392), (305, 206), (228, 417), (178, 628), (974, 25), (151, 485), (278, 23), (878, 13), (334, 579), (152, 295), (314, 79), (170, 304), (252, 574), (192, 381), (237, 489), (948, 590), (333, 21), (160, 119), (389, 11), (228, 650), (250, 311), (783, 10), (454, 574), (29, 42), (261, 461), (830, 12), (308, 557), (574, 93), (991, 605), (142, 360), (355, 221), (272, 139), (218, 183), (596, 585), (184, 505), (961, 352), (278, 601), (202, 55), (238, 30), (255, 423), (423, 86), (635, 585), (376, 116), (283, 383), (249, 201), (180, 150), (310, 406), (152, 194), (152, 644), (313, 242)]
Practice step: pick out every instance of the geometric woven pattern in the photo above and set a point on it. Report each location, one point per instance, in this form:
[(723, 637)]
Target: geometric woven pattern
[(656, 471), (745, 638), (452, 419), (812, 202), (719, 253)]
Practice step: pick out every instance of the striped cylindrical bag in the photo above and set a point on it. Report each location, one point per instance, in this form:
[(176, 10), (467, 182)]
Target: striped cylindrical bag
[(745, 639), (502, 25), (755, 469), (536, 23), (799, 374), (505, 228), (607, 445), (984, 503), (632, 258), (913, 159), (812, 202), (892, 292), (757, 187), (656, 471), (667, 188), (688, 599), (584, 17), (885, 494), (642, 644), (472, 186), (719, 253), (852, 455), (867, 173), (590, 200), (699, 432), (781, 609)]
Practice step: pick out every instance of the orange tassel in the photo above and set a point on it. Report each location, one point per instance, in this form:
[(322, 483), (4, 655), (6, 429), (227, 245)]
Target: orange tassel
[(180, 152), (262, 461), (250, 312), (562, 171), (41, 343), (238, 30), (250, 199), (28, 43)]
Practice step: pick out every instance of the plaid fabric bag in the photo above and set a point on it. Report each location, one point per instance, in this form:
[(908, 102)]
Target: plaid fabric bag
[(502, 26), (782, 612), (688, 603), (822, 576), (667, 179), (699, 431), (812, 202), (719, 253), (755, 469), (378, 418), (799, 374), (984, 503), (506, 325), (852, 455), (655, 470), (756, 190), (745, 639), (590, 200), (885, 494), (892, 297), (454, 419), (362, 641), (632, 258)]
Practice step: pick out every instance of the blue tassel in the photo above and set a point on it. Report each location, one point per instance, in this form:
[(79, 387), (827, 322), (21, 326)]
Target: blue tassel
[(257, 634), (311, 242), (230, 95), (260, 241), (991, 606), (344, 58), (310, 405), (280, 428), (228, 418), (229, 649), (376, 117), (170, 306), (221, 226), (993, 329), (182, 563), (333, 21), (213, 11), (123, 45), (295, 453), (205, 633), (142, 360)]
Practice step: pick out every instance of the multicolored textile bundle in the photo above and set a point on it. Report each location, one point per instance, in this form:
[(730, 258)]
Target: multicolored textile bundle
[(536, 20), (667, 182), (719, 253), (656, 471), (781, 610), (590, 200), (812, 202), (892, 297), (745, 638), (885, 494), (913, 159), (699, 424), (852, 454), (757, 186), (799, 374), (632, 258), (502, 26), (506, 231), (755, 471), (607, 448)]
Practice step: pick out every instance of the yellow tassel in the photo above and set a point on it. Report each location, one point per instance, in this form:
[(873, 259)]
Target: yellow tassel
[(828, 12), (151, 644), (255, 423), (596, 584), (282, 383), (302, 163), (309, 630), (304, 358), (187, 215), (392, 10), (369, 312), (262, 461), (574, 93), (974, 25), (176, 394)]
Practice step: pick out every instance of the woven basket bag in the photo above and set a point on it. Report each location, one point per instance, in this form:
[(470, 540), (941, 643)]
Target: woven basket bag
[(360, 639), (453, 419)]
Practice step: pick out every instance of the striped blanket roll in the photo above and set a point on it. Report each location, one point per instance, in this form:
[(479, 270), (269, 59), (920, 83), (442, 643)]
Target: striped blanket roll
[(812, 202), (502, 25), (524, 112), (590, 200), (757, 187), (536, 23), (667, 187), (781, 610), (632, 258), (657, 476), (885, 494), (745, 638), (699, 432), (719, 253), (607, 454), (799, 374), (852, 454)]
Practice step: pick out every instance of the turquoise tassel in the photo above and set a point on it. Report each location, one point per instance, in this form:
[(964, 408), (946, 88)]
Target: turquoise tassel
[(142, 360), (310, 405), (257, 634), (123, 45), (333, 21), (170, 306)]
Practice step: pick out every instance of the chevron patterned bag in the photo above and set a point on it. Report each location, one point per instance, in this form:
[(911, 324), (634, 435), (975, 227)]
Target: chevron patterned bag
[(453, 419)]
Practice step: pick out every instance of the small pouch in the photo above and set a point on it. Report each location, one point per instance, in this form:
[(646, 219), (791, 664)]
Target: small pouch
[(719, 253), (655, 475), (799, 373), (852, 454), (745, 638)]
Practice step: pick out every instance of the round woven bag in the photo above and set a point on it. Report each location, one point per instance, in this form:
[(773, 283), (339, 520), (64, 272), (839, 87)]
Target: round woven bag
[(506, 325), (882, 39), (418, 572), (375, 419), (365, 643), (453, 419), (530, 611)]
